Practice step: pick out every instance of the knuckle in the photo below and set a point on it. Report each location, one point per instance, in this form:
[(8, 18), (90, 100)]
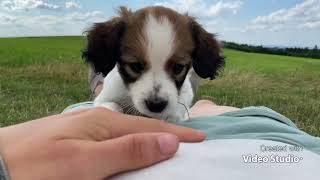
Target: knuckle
[(137, 149)]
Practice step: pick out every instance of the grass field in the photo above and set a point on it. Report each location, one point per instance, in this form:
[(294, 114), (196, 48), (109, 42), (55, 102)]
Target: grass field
[(41, 76)]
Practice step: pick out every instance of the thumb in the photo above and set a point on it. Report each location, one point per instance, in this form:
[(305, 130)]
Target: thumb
[(135, 151)]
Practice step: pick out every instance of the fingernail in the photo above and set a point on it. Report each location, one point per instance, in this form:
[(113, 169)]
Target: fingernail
[(168, 144), (202, 134)]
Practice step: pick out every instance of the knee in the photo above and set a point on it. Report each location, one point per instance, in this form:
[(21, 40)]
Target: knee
[(204, 102)]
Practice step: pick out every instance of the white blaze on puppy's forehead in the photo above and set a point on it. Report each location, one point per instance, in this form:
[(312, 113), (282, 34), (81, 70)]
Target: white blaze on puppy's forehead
[(160, 38)]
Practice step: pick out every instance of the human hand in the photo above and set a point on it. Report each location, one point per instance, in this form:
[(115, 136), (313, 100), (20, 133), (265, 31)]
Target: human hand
[(90, 144)]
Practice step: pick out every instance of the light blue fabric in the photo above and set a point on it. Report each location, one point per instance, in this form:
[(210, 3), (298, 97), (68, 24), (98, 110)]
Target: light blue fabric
[(247, 123), (79, 106), (254, 123), (3, 171)]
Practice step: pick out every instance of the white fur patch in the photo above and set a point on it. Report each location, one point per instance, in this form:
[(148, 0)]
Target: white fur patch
[(160, 38), (159, 35)]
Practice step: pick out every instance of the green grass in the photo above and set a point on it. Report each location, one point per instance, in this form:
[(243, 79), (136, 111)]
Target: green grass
[(41, 76)]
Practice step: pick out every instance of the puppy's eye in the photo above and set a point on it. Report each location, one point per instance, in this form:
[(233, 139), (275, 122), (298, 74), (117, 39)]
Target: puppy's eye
[(136, 67), (177, 68)]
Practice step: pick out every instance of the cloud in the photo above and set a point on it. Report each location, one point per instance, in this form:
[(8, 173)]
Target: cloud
[(72, 5), (32, 21), (14, 5), (200, 8), (88, 16), (67, 24), (6, 19), (303, 15), (311, 25)]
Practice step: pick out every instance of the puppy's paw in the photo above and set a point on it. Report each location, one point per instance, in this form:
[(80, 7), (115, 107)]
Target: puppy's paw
[(111, 106)]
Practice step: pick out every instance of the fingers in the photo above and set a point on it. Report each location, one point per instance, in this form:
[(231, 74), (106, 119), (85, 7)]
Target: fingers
[(133, 152), (136, 124), (118, 124)]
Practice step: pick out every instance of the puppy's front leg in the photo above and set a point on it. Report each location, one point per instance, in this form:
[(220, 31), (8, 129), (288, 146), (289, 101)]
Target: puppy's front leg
[(110, 105)]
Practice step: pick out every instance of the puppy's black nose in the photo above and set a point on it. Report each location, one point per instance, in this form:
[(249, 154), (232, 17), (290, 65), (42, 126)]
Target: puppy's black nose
[(156, 105)]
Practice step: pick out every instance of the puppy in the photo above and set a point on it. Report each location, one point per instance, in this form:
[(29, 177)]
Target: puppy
[(152, 60)]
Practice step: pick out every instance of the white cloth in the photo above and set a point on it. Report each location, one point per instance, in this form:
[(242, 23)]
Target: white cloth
[(223, 159)]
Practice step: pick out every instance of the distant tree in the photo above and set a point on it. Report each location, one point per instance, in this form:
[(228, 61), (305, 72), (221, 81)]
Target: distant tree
[(293, 51)]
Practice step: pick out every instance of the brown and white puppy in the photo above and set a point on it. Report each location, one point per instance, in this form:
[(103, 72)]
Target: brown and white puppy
[(149, 58)]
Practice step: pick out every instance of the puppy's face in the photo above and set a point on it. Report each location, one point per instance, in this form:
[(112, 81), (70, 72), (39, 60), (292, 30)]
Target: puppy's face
[(154, 49)]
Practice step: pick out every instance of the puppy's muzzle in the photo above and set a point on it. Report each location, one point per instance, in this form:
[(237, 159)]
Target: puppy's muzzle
[(156, 104)]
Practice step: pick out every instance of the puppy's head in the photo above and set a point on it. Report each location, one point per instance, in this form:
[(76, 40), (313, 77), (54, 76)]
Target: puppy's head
[(153, 48)]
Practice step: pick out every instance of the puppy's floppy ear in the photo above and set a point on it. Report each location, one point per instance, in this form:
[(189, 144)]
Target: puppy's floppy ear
[(103, 45), (206, 56)]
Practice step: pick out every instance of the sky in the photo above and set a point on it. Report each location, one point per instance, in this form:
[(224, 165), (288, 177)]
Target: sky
[(257, 22)]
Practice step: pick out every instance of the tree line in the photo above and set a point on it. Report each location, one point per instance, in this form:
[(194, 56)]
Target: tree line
[(288, 51)]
